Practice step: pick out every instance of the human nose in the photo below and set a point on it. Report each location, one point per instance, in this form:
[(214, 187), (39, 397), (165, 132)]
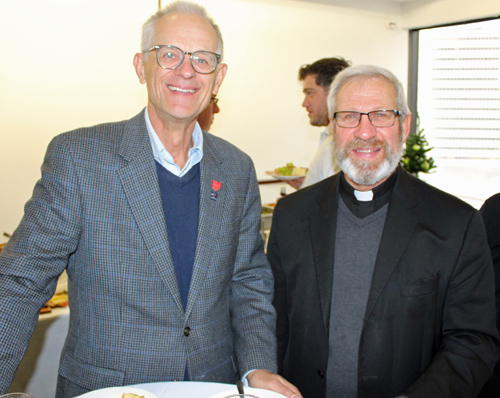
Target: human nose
[(185, 69), (305, 103), (365, 129), (216, 109)]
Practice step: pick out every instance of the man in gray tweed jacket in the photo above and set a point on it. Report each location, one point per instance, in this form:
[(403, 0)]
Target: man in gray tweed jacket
[(144, 309)]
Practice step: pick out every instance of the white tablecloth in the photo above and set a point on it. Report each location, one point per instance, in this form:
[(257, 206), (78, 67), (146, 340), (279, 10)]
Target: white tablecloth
[(37, 372)]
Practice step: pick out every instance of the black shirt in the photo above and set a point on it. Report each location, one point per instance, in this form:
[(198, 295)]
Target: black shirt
[(381, 196)]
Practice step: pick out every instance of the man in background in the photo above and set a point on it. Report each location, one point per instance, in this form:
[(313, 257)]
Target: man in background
[(206, 118), (383, 284), (316, 79), (157, 225), (490, 211)]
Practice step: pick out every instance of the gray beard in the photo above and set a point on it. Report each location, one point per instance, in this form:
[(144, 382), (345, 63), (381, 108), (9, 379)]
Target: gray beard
[(362, 172)]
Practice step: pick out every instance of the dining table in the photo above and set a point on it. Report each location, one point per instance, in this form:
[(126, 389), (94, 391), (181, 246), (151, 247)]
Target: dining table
[(37, 372)]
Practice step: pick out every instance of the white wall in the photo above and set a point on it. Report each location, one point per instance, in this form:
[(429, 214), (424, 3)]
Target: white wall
[(64, 64), (68, 64), (426, 13)]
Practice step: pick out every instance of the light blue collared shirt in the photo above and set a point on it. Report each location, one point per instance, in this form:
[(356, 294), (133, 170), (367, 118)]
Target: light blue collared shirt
[(163, 157)]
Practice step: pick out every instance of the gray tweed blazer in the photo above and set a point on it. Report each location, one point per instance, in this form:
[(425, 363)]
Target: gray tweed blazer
[(97, 212)]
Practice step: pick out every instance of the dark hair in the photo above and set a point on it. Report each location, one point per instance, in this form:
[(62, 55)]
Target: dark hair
[(325, 70)]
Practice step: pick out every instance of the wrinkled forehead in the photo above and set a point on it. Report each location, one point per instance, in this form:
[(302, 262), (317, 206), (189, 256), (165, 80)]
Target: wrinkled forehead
[(367, 88), (363, 83)]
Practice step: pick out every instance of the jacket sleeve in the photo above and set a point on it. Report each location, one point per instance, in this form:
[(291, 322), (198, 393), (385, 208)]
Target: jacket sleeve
[(253, 316), (490, 212), (280, 291), (469, 339), (36, 255)]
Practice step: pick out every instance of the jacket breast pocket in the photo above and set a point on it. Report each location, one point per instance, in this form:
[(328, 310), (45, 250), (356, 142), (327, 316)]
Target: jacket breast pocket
[(422, 287)]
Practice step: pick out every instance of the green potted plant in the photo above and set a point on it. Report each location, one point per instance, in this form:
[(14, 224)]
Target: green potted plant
[(415, 159)]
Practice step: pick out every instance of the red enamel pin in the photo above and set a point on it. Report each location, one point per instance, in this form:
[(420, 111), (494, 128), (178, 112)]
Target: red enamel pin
[(215, 187)]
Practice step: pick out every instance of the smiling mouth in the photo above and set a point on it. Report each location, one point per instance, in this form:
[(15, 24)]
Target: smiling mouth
[(367, 150), (180, 90)]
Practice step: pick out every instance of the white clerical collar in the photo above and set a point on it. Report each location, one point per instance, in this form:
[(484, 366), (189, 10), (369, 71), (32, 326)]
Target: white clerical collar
[(363, 196)]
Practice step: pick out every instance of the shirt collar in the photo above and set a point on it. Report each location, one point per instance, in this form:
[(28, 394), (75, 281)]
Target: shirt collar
[(379, 191), (324, 134), (381, 196), (163, 157)]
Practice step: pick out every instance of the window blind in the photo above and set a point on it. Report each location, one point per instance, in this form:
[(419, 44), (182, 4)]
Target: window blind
[(459, 93)]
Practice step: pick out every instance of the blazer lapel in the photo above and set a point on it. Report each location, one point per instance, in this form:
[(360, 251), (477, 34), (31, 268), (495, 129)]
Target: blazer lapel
[(399, 226), (210, 216), (323, 224), (140, 184)]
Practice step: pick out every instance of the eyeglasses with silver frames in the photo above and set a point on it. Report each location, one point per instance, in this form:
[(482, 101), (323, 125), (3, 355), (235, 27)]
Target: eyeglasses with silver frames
[(380, 118), (171, 57)]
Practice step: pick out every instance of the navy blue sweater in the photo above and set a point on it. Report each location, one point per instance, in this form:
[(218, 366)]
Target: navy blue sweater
[(181, 197)]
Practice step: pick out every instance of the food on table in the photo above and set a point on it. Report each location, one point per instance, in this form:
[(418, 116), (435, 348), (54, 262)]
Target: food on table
[(57, 300), (268, 208), (3, 244), (131, 395)]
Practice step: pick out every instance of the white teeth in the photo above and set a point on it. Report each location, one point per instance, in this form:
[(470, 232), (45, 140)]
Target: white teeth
[(365, 150), (180, 89)]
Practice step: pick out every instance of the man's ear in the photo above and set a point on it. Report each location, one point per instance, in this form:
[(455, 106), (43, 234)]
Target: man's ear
[(332, 125), (221, 73), (139, 67), (406, 126)]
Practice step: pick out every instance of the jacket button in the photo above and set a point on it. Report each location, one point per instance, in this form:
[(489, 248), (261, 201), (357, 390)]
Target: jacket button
[(320, 374), (187, 331)]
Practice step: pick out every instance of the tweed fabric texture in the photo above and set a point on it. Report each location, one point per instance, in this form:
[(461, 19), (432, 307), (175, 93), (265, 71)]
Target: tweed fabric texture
[(97, 212)]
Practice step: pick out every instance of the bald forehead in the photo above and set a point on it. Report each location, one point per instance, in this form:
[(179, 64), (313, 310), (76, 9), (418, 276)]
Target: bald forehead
[(378, 85), (367, 94), (363, 81), (177, 28)]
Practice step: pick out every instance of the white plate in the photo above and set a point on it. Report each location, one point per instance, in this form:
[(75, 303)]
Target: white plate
[(249, 390), (282, 177), (116, 392)]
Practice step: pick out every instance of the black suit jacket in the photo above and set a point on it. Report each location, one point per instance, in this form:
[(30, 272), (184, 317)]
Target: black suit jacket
[(429, 326), (491, 216)]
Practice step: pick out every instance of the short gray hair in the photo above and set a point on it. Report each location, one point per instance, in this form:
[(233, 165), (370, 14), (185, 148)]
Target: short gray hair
[(183, 7), (365, 72)]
